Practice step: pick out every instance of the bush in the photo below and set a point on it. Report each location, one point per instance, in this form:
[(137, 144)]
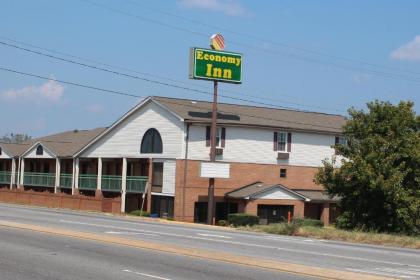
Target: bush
[(140, 213), (308, 222), (222, 223), (242, 219), (281, 228)]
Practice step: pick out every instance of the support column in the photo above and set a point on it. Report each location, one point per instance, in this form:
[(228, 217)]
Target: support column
[(149, 189), (98, 191), (57, 175), (13, 175), (76, 176), (325, 214), (22, 173), (123, 185)]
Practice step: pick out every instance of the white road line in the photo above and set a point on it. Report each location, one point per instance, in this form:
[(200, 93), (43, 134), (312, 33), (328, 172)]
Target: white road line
[(402, 271), (145, 274), (214, 235), (130, 233), (380, 273), (248, 244)]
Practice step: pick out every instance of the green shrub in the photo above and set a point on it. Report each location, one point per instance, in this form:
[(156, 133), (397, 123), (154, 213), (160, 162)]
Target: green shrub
[(170, 218), (222, 223), (281, 228), (140, 213), (308, 222), (242, 219)]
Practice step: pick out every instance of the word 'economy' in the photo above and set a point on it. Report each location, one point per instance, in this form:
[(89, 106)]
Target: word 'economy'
[(218, 58)]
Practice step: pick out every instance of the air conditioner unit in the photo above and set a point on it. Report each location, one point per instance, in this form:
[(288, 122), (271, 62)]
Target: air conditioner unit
[(282, 155)]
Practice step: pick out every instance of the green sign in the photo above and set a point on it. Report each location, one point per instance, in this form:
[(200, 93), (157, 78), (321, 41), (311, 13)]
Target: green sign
[(215, 65)]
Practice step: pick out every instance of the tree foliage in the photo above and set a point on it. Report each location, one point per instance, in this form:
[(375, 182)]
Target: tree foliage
[(378, 179), (15, 138)]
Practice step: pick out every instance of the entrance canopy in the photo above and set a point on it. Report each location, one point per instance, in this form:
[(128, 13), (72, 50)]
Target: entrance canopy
[(259, 190)]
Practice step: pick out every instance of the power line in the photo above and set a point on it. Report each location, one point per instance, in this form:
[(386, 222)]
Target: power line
[(142, 78), (260, 49), (138, 96), (165, 78), (281, 44)]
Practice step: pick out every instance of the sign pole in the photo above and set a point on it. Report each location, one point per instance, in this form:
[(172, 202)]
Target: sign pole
[(210, 204)]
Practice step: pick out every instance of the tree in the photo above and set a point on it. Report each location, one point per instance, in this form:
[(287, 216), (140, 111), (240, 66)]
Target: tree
[(378, 179), (15, 138)]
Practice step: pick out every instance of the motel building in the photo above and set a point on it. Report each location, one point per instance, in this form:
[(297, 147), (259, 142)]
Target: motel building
[(156, 154)]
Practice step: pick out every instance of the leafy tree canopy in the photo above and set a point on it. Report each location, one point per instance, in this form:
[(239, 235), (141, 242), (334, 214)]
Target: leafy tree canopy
[(378, 177), (15, 138)]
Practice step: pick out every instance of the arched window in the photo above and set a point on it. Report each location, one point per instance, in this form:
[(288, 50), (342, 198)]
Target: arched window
[(39, 150), (151, 142)]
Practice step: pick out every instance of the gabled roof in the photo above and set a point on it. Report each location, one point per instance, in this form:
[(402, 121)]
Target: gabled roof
[(65, 144), (252, 190), (317, 196), (14, 149), (234, 114)]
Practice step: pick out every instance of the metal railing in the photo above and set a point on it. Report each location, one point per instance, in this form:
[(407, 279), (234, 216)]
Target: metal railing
[(66, 180), (5, 177), (88, 181), (39, 179), (111, 183), (136, 184)]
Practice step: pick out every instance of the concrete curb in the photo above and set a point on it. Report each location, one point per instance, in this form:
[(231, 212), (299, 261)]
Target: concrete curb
[(200, 253)]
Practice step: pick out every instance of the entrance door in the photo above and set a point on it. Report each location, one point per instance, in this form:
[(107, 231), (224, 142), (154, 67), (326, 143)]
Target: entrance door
[(223, 209), (274, 213), (200, 212)]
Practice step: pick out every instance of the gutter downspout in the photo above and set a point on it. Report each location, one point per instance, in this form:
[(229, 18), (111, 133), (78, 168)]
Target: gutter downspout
[(187, 137)]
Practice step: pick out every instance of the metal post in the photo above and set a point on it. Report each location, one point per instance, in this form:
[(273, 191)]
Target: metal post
[(210, 204)]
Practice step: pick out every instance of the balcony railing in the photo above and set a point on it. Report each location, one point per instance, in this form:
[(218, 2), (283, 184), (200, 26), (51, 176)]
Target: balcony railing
[(88, 181), (136, 184), (111, 183), (39, 179), (5, 177), (66, 180)]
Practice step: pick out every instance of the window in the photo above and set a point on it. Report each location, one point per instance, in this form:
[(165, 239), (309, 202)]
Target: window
[(283, 172), (157, 176), (151, 142), (39, 150), (218, 137), (342, 140), (281, 141)]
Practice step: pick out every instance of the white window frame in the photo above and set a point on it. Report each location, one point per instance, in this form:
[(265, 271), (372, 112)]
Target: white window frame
[(285, 141), (219, 136)]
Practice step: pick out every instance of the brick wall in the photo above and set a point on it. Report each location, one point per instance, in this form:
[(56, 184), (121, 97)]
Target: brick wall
[(47, 199), (241, 174)]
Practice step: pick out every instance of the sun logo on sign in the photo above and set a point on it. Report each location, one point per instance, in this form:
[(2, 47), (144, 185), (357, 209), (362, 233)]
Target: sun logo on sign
[(217, 42)]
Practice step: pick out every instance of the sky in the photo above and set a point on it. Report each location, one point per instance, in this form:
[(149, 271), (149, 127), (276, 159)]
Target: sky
[(324, 56)]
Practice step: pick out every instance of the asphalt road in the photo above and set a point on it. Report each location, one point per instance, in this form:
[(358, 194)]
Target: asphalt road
[(27, 255), (375, 260)]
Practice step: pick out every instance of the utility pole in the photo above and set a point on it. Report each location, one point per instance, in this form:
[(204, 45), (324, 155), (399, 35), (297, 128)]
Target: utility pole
[(210, 203)]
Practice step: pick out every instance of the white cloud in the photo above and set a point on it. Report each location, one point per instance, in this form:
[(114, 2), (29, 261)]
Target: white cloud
[(50, 91), (409, 51), (95, 108), (361, 78), (228, 7)]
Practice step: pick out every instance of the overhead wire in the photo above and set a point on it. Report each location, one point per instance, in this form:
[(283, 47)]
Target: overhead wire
[(144, 79), (99, 89), (260, 49)]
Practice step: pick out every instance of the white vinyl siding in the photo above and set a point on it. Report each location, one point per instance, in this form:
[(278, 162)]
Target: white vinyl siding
[(169, 171), (45, 154), (4, 154), (125, 139), (277, 193), (255, 145)]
